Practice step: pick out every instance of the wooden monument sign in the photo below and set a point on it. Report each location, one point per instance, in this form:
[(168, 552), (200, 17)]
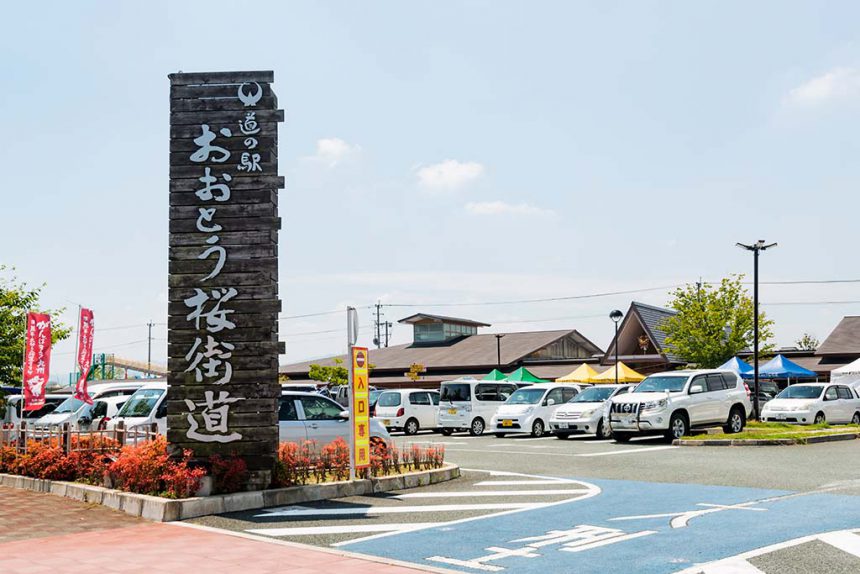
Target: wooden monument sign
[(223, 272)]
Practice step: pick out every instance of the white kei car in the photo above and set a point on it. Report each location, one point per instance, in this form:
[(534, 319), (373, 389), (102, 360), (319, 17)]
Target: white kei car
[(585, 413), (814, 403), (530, 408), (408, 410)]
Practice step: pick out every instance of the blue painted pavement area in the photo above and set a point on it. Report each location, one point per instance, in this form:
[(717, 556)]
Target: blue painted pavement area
[(649, 528)]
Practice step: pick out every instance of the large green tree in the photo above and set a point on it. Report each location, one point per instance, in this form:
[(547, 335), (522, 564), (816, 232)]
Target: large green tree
[(714, 322), (334, 375), (16, 298)]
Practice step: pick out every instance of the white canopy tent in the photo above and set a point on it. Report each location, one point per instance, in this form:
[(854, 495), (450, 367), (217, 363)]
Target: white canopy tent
[(847, 374)]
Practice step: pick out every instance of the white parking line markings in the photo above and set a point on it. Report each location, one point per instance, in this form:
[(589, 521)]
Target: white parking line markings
[(731, 566), (476, 493), (845, 541), (343, 529), (523, 482), (629, 450), (299, 511)]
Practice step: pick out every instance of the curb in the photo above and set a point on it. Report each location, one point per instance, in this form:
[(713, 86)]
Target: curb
[(167, 510), (769, 442)]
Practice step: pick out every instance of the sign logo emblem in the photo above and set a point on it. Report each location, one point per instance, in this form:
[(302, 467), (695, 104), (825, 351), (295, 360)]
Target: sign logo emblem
[(360, 358)]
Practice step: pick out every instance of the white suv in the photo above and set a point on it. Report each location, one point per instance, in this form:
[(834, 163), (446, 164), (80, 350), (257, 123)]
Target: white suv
[(673, 402)]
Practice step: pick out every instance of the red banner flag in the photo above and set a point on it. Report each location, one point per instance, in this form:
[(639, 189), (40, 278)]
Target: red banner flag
[(85, 354), (37, 360)]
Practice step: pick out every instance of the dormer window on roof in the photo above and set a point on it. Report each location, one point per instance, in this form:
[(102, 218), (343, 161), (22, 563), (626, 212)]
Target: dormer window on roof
[(438, 329)]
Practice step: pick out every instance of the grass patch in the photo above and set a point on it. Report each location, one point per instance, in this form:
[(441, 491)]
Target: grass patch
[(772, 431)]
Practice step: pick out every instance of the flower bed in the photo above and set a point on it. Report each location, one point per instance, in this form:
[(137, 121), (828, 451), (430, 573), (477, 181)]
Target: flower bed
[(148, 469)]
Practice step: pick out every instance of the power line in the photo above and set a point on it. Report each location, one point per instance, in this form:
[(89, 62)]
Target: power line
[(544, 300), (811, 303)]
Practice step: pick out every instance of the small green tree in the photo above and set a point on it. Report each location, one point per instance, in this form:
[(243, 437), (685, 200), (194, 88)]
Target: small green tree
[(16, 298), (807, 342), (713, 323), (333, 375)]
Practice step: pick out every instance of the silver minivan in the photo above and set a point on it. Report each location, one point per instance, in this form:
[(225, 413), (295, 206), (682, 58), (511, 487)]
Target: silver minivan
[(311, 416), (146, 406)]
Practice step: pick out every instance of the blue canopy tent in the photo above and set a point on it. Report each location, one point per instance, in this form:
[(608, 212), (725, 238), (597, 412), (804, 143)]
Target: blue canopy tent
[(738, 366), (781, 368)]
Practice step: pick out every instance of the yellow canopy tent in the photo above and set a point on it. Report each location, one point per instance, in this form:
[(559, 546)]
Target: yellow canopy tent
[(625, 375), (582, 374)]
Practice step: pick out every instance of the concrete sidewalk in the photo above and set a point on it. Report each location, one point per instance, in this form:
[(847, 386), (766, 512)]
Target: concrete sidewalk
[(95, 539)]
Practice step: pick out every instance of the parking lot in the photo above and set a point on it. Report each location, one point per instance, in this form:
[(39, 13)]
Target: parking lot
[(528, 504)]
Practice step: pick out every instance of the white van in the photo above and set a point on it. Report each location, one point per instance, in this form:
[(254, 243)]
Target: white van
[(530, 408), (146, 406), (12, 418), (71, 410), (469, 404), (408, 410)]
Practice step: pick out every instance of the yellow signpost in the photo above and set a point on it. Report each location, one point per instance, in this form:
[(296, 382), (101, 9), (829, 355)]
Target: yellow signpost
[(360, 408)]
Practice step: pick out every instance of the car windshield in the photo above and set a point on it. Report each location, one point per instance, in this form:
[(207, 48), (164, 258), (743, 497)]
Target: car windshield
[(800, 392), (661, 383), (593, 395), (456, 392), (526, 397), (70, 405), (388, 400), (141, 403)]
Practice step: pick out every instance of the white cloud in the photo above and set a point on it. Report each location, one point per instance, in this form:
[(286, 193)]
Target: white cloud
[(837, 84), (503, 208), (332, 151), (448, 175)]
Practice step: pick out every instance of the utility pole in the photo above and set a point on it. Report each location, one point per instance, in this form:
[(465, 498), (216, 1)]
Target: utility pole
[(378, 339), (388, 325), (149, 350)]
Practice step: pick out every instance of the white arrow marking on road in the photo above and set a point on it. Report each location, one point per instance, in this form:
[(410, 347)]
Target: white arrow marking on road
[(296, 511), (343, 529), (469, 494)]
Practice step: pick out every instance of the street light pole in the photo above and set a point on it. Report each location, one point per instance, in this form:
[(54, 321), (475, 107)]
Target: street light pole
[(756, 248), (499, 349), (616, 316)]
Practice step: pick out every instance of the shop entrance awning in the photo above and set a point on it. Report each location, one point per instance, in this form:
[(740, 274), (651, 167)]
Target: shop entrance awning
[(625, 375), (584, 373)]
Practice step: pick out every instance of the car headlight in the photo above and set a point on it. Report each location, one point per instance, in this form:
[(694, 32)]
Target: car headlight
[(655, 405), (586, 414)]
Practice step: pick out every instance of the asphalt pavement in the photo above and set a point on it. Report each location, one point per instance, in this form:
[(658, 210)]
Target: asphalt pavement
[(529, 504)]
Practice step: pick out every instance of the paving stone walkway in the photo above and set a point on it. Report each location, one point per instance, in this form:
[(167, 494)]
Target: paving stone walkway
[(43, 533)]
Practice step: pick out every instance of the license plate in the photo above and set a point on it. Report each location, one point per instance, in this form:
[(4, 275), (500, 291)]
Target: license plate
[(386, 422), (507, 423), (561, 425), (452, 411)]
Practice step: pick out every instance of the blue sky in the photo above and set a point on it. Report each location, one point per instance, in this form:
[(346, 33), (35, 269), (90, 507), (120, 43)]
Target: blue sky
[(448, 152)]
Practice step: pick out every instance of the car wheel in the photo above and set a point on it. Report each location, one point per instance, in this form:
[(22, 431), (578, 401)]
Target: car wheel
[(621, 437), (603, 431), (677, 426), (736, 422), (477, 428), (411, 427), (562, 435), (855, 420), (820, 419), (537, 429), (446, 432)]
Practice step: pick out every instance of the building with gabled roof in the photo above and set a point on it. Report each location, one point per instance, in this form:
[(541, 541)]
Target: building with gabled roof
[(449, 347), (642, 340)]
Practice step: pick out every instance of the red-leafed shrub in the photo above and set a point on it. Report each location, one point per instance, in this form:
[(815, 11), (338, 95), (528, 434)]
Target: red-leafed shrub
[(148, 469), (335, 460), (228, 474)]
